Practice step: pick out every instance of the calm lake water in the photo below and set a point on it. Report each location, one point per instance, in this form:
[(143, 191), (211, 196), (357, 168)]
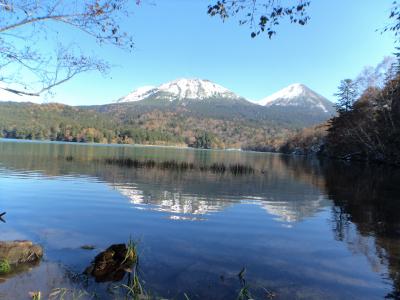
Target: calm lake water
[(303, 229)]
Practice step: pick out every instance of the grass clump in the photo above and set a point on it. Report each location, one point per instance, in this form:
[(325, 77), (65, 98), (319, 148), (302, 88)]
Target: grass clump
[(133, 289), (5, 266), (217, 168), (244, 293), (131, 252), (35, 295), (239, 169), (180, 166)]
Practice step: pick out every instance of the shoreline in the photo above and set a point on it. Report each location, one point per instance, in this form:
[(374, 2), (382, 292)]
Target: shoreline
[(120, 145)]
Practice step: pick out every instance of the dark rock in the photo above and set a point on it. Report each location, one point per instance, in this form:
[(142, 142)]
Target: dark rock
[(88, 247), (20, 252), (111, 264)]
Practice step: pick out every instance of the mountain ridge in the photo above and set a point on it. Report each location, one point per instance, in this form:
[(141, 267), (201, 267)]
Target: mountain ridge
[(295, 96), (180, 89)]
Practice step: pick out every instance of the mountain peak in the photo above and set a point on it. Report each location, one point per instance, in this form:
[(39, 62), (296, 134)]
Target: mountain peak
[(292, 91), (298, 95), (181, 89)]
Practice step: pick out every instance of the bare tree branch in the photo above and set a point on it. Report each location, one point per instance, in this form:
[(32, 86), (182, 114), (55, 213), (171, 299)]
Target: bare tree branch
[(26, 23)]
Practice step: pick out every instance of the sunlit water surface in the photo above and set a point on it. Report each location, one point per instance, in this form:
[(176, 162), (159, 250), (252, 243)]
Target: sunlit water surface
[(302, 229)]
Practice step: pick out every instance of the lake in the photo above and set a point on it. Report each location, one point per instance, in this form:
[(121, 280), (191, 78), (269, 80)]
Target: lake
[(300, 228)]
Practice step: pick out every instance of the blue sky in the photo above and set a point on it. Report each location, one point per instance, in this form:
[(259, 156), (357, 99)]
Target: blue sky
[(176, 38)]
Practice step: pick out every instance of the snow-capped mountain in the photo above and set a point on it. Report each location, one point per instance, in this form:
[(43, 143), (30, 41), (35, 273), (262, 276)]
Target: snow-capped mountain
[(181, 89), (296, 106), (298, 96)]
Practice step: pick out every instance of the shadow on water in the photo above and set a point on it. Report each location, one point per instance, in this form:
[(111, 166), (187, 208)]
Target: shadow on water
[(369, 198), (366, 197), (362, 204)]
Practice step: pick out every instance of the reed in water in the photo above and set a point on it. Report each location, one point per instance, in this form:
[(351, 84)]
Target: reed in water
[(217, 168)]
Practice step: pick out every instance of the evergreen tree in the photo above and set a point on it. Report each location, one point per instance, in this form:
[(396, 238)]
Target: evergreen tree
[(204, 140), (347, 95)]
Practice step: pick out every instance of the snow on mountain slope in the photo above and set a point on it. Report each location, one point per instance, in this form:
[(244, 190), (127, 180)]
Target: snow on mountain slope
[(290, 92), (181, 89), (298, 95), (138, 94)]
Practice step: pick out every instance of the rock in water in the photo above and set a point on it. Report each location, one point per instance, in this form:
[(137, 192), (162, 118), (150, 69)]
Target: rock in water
[(19, 252), (111, 264)]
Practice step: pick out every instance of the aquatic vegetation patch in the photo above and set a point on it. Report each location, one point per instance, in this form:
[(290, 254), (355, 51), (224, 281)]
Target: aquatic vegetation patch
[(239, 169), (120, 262), (131, 253), (218, 168), (64, 293), (5, 266), (173, 165), (244, 292), (88, 247), (37, 295)]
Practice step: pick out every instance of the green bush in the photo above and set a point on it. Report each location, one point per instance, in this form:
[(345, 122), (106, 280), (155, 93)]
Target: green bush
[(4, 267)]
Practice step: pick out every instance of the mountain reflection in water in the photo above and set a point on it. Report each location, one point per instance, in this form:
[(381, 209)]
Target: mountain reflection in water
[(304, 228)]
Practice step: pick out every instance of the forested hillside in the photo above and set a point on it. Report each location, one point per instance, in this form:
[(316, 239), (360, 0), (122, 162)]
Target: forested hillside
[(127, 125), (51, 121), (366, 128), (370, 129), (226, 121), (59, 122)]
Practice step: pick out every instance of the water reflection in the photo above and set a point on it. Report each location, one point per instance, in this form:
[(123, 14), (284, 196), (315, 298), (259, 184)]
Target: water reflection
[(172, 202), (306, 229), (368, 198), (192, 192), (365, 212), (296, 210)]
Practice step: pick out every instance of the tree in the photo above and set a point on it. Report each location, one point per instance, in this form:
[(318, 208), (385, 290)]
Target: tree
[(27, 68), (376, 77), (394, 26), (204, 140), (347, 95), (262, 15), (370, 131)]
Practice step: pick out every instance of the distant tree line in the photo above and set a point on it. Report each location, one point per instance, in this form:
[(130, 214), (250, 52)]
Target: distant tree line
[(56, 122)]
